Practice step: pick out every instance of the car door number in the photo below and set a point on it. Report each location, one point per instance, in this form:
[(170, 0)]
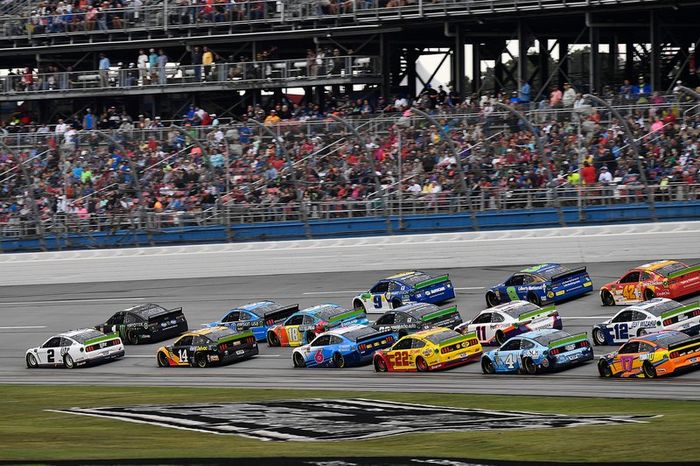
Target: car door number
[(510, 361), (481, 332), (626, 362), (621, 331), (51, 356), (628, 292), (377, 301), (401, 358), (293, 334), (182, 354)]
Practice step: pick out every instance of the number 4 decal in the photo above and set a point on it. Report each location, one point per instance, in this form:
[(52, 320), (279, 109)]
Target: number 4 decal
[(510, 361)]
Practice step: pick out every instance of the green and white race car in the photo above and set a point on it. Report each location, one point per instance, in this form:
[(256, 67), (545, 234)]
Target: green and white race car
[(76, 348)]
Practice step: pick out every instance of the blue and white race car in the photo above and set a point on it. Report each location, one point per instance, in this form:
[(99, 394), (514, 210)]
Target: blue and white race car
[(538, 351), (405, 287), (541, 284), (347, 346), (257, 317)]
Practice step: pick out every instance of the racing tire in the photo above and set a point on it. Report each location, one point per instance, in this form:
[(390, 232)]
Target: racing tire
[(649, 370), (395, 303), (500, 338), (298, 360), (379, 365), (162, 360), (31, 362), (534, 299), (598, 337), (649, 295), (529, 366), (68, 361), (604, 369), (357, 304), (421, 365), (487, 366), (310, 335), (200, 360), (132, 338), (491, 299), (607, 298), (272, 339), (338, 360)]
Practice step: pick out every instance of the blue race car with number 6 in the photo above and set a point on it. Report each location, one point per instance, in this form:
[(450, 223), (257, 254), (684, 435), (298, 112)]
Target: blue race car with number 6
[(348, 346), (257, 317), (541, 284), (538, 351), (403, 288)]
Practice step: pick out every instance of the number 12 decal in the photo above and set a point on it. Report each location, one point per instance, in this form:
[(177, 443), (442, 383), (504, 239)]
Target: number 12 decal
[(621, 331)]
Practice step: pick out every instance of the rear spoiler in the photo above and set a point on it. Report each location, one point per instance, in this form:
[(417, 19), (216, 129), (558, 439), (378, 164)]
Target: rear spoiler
[(165, 312), (237, 336), (381, 334), (281, 313), (109, 336), (440, 313), (432, 281), (680, 310), (536, 312), (568, 340), (568, 273), (681, 272), (347, 315), (692, 342), (458, 338)]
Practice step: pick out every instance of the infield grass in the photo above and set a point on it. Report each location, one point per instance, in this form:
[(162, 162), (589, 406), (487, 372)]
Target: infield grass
[(30, 432)]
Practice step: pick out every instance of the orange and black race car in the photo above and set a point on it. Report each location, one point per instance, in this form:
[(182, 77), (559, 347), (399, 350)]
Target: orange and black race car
[(660, 279), (652, 355)]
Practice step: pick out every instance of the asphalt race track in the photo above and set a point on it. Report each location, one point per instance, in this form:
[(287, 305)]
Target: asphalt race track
[(30, 314)]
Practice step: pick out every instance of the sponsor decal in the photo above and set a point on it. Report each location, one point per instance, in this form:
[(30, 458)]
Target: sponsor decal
[(333, 420)]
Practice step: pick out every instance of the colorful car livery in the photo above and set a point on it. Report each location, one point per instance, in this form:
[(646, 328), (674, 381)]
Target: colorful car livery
[(402, 288), (538, 351), (495, 325), (303, 326), (648, 317), (347, 346), (208, 346), (413, 317), (653, 355), (257, 317), (75, 348), (146, 323), (663, 279), (429, 350), (545, 283)]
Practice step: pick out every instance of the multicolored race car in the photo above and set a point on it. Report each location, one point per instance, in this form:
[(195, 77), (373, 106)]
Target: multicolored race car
[(413, 317), (496, 325), (146, 323), (208, 346), (538, 351), (347, 346), (648, 317), (257, 317), (402, 288), (76, 348), (303, 326), (545, 283), (653, 355), (429, 350), (663, 279)]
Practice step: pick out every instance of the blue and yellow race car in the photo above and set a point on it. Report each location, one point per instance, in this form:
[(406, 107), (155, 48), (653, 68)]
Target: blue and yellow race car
[(541, 284), (538, 351), (303, 326), (347, 346), (257, 317), (403, 288)]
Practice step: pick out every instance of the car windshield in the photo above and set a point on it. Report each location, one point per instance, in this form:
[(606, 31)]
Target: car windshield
[(82, 337), (662, 307), (328, 311), (668, 339), (220, 333), (439, 337), (516, 310), (670, 268), (356, 334), (546, 339)]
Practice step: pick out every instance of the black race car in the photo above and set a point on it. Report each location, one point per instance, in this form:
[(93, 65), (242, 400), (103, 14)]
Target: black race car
[(146, 323), (414, 317), (207, 347)]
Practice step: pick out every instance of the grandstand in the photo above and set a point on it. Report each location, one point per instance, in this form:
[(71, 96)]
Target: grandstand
[(141, 115)]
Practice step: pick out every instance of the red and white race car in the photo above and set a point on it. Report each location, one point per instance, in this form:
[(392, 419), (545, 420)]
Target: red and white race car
[(663, 279)]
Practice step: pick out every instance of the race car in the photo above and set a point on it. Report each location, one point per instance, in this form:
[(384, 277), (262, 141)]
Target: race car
[(648, 317), (538, 351), (208, 346), (413, 317), (146, 323), (302, 327), (346, 346), (402, 288), (496, 325), (76, 348), (429, 350), (545, 283), (258, 317), (663, 279), (652, 355)]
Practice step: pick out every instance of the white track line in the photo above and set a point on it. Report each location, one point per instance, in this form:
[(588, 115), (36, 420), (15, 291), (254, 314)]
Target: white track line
[(23, 327), (72, 301)]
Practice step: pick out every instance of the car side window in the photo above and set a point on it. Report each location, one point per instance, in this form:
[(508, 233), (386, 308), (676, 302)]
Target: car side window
[(131, 318), (527, 344), (630, 348), (511, 345), (245, 316), (184, 341), (645, 348), (515, 280), (484, 318), (323, 340), (393, 286), (527, 279), (417, 343), (116, 319), (54, 342), (295, 320), (637, 315), (232, 316), (308, 320), (386, 319), (632, 277), (497, 318), (401, 318), (380, 287), (645, 276), (624, 316), (406, 343), (66, 342), (336, 340)]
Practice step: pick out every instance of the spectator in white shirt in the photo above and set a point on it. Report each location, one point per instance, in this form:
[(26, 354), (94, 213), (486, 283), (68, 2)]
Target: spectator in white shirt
[(605, 176)]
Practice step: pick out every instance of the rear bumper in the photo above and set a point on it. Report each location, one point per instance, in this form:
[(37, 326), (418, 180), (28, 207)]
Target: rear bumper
[(457, 362), (102, 358), (234, 355)]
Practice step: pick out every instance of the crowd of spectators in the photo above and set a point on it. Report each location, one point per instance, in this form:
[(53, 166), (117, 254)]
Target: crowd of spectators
[(76, 173)]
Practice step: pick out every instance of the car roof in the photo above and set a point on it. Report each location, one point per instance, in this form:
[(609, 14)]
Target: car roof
[(510, 307), (540, 268), (410, 278), (428, 332), (257, 306), (74, 333), (654, 306), (417, 309), (204, 331), (533, 334), (658, 337), (145, 310), (323, 310), (656, 265)]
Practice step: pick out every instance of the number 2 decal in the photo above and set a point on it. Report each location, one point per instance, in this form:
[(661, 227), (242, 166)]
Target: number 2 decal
[(621, 331), (377, 301), (50, 356)]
